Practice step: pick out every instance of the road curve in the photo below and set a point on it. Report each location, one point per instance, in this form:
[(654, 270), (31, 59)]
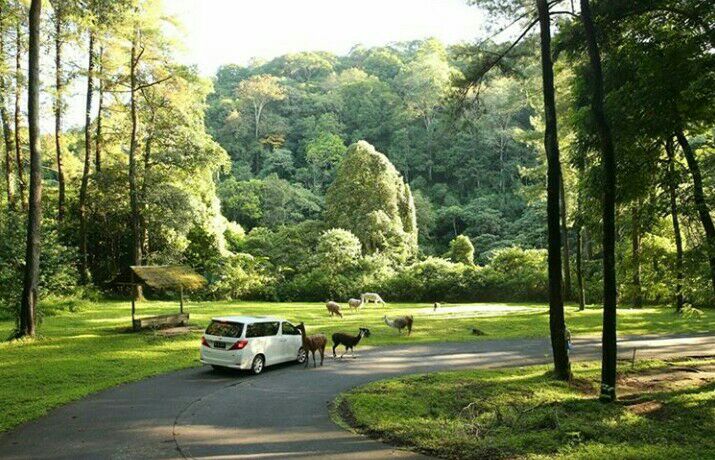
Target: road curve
[(283, 413)]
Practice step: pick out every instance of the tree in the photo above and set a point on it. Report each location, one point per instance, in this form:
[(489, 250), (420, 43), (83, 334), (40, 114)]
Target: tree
[(608, 159), (4, 117), (19, 84), (461, 250), (672, 181), (61, 12), (700, 202), (556, 307), (370, 199), (84, 270), (30, 292), (258, 91), (323, 153)]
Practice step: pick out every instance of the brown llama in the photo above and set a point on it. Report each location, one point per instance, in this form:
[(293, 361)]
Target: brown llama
[(400, 323), (311, 344), (333, 308)]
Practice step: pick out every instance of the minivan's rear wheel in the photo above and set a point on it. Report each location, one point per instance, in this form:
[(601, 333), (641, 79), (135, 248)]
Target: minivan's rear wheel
[(259, 363), (302, 355)]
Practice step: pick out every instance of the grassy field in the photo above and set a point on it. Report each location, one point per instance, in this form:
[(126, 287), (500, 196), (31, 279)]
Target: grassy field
[(665, 412), (84, 347)]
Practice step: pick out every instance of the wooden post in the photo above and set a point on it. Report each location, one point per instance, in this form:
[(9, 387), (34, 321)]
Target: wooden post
[(133, 313), (181, 299), (131, 279)]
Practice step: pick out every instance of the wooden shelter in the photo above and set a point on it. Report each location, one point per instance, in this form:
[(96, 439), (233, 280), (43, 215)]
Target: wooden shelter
[(161, 277)]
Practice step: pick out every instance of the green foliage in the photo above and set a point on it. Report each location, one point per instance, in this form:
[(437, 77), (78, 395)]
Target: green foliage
[(525, 413), (461, 250), (58, 275), (370, 199)]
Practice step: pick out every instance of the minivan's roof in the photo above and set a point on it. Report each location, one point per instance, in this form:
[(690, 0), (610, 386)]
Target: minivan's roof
[(246, 319)]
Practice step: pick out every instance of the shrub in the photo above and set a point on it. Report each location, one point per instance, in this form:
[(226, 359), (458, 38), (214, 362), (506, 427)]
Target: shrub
[(461, 250)]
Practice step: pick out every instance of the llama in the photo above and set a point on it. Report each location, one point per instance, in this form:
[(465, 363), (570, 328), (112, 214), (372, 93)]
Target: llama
[(311, 344), (350, 341), (400, 323), (355, 303), (333, 308), (371, 297)]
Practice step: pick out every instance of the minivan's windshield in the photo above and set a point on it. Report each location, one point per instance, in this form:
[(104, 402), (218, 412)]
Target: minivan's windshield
[(225, 329)]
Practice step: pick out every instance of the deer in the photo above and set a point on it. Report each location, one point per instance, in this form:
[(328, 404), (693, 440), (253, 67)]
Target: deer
[(350, 341), (312, 343), (400, 323), (333, 308)]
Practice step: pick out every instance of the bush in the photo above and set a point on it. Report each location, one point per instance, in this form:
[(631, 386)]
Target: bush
[(58, 265), (461, 250)]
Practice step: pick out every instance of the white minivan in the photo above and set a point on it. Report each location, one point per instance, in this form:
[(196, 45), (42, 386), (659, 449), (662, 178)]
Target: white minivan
[(250, 342)]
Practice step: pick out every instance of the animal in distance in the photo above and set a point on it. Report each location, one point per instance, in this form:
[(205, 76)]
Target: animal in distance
[(311, 344), (355, 303), (333, 308), (373, 297), (400, 323), (349, 341)]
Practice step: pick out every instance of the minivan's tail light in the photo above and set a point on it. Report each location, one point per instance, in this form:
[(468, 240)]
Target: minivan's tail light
[(205, 342), (239, 345)]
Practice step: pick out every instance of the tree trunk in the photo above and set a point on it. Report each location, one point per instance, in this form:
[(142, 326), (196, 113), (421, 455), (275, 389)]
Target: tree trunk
[(5, 120), (565, 235), (557, 324), (84, 264), (608, 364), (58, 111), (672, 184), (636, 253), (579, 243), (32, 254), (579, 270), (136, 250), (100, 109), (18, 91), (700, 203)]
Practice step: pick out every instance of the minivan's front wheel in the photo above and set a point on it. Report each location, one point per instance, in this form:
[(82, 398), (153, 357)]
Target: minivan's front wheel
[(302, 355), (259, 362)]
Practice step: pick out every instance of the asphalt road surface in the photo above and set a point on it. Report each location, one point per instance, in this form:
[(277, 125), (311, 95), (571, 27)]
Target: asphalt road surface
[(283, 413)]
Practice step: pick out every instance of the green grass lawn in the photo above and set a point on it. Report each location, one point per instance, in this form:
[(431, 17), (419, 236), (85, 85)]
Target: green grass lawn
[(87, 350), (523, 413)]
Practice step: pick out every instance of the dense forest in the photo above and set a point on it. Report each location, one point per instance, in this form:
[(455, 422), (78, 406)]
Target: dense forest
[(415, 169)]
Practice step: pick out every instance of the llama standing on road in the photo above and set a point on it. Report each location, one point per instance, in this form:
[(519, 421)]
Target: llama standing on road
[(355, 303), (400, 323), (333, 308), (311, 344), (373, 297), (350, 341)]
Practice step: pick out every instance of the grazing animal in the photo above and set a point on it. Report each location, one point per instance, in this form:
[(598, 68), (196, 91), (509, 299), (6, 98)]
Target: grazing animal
[(368, 297), (476, 331), (355, 303), (400, 323), (333, 308), (350, 341), (436, 306), (311, 344)]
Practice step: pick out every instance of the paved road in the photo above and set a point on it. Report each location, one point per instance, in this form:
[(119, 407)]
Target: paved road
[(197, 413)]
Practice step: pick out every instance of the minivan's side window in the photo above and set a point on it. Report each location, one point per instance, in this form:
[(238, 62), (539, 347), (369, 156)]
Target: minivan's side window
[(289, 329), (262, 329)]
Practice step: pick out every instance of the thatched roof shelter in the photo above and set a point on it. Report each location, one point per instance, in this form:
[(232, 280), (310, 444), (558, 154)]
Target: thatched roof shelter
[(177, 277), (162, 277)]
